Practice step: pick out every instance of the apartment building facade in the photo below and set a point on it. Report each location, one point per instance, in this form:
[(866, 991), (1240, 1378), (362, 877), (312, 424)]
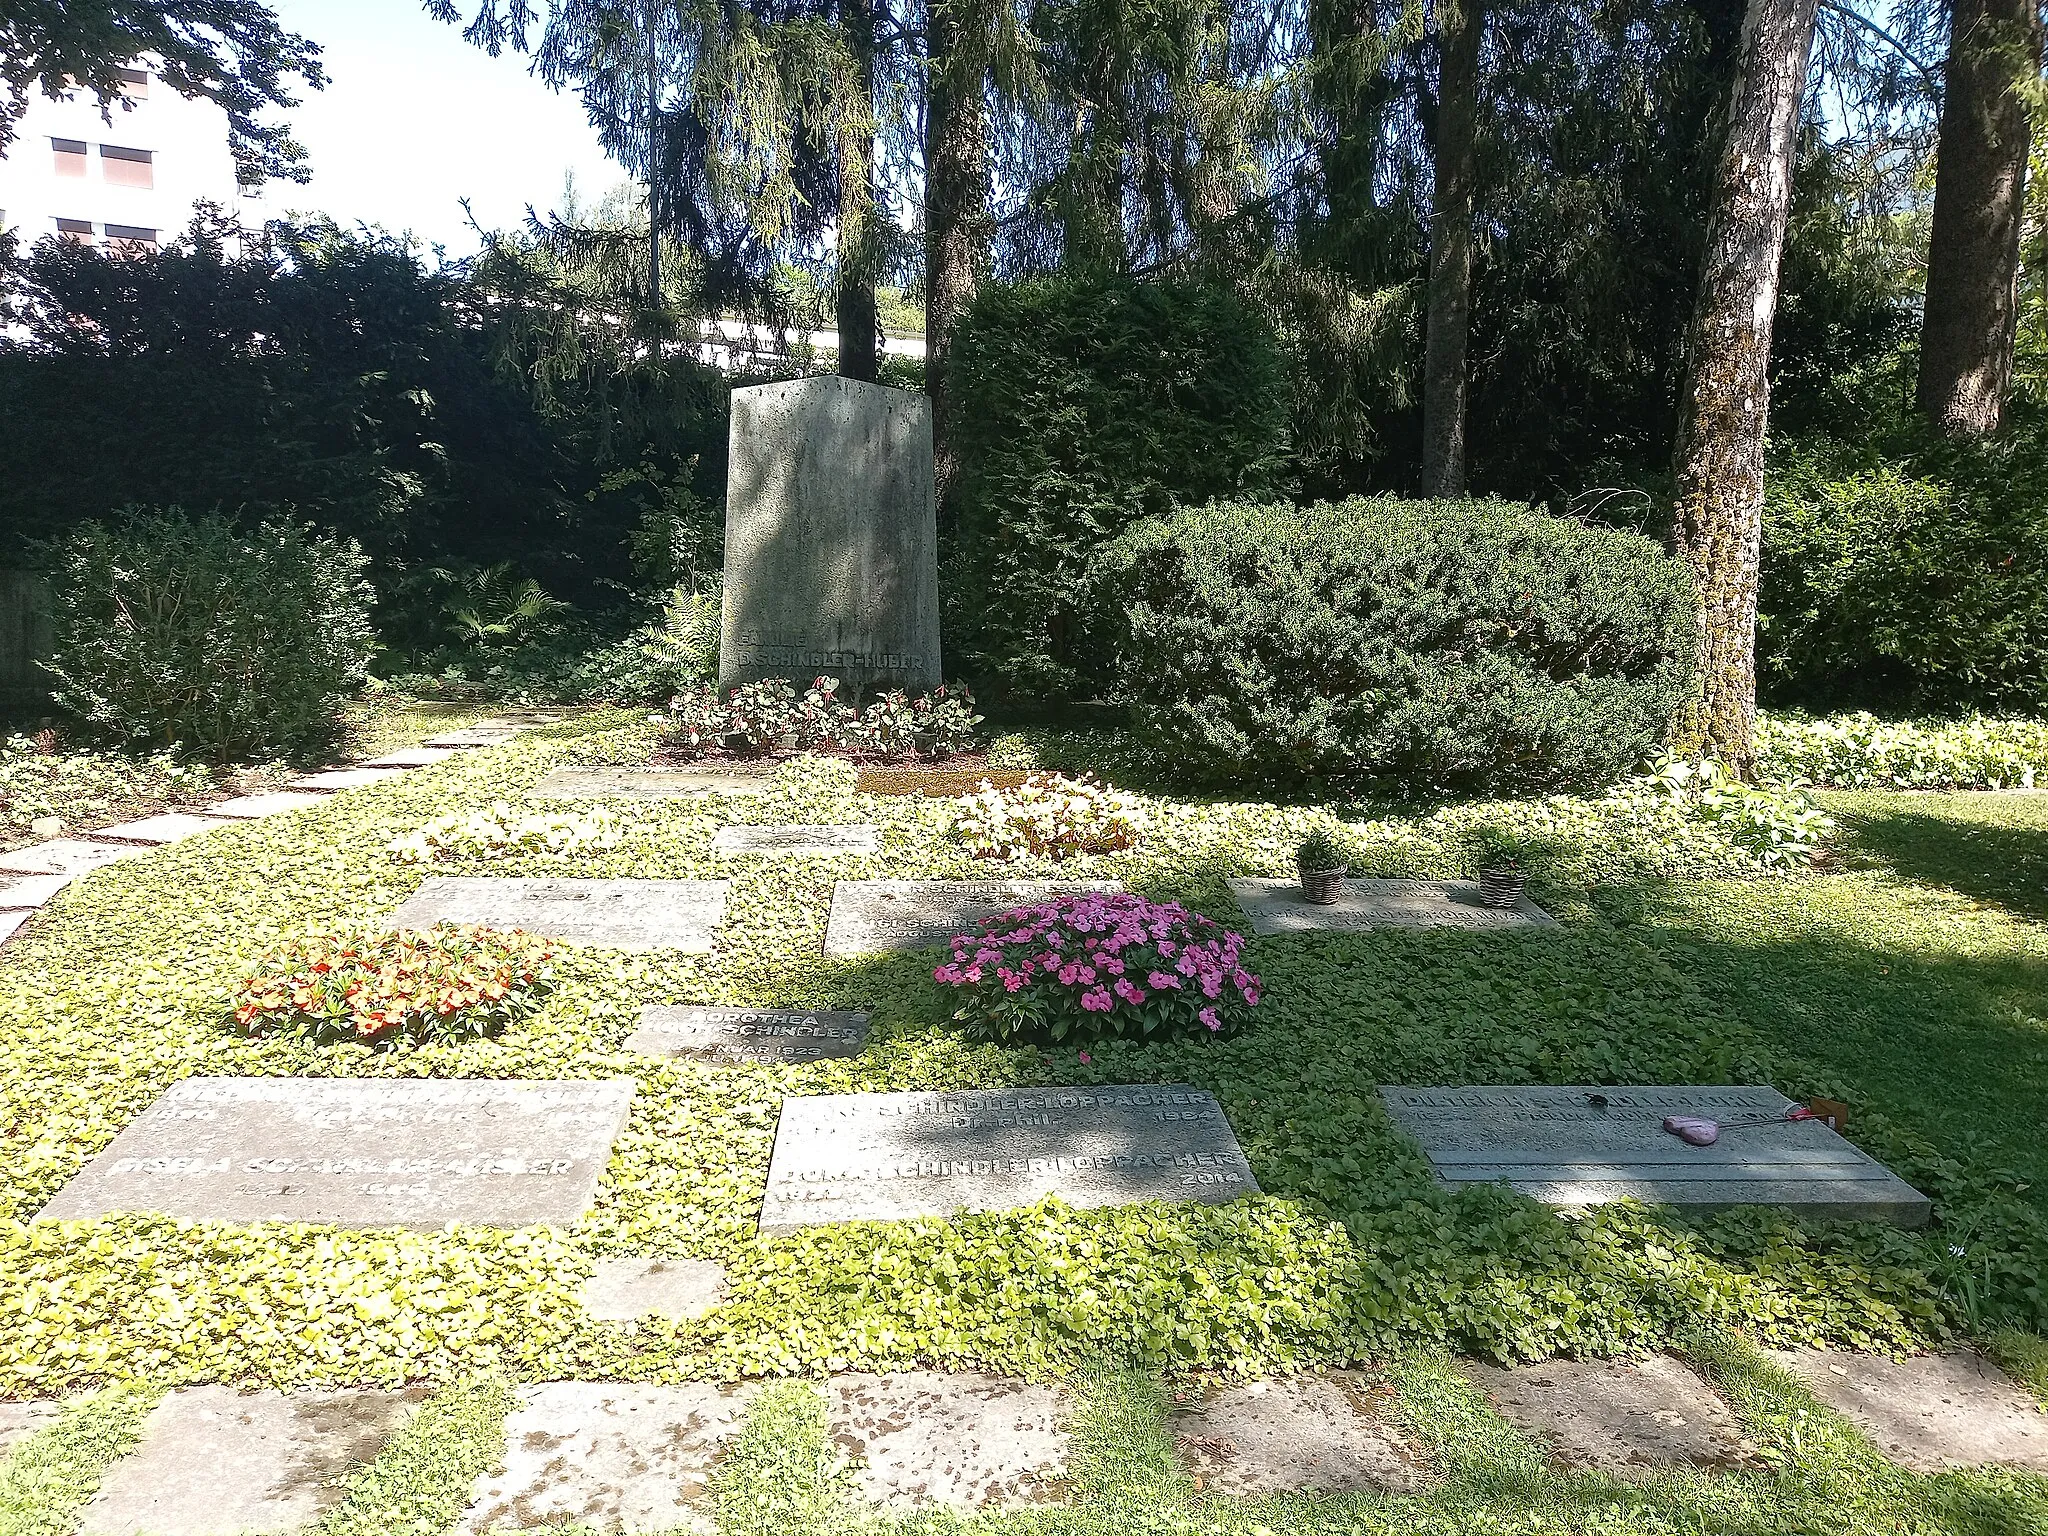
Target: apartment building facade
[(124, 180)]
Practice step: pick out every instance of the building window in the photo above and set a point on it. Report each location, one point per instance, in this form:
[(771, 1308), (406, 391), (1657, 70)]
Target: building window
[(127, 167), (131, 237), (134, 84), (77, 230), (70, 156)]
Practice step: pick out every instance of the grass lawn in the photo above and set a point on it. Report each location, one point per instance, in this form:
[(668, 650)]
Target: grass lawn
[(1913, 984)]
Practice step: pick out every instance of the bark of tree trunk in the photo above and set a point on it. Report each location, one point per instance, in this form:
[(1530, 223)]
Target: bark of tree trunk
[(859, 352), (1973, 256), (956, 217), (1450, 250), (1725, 408)]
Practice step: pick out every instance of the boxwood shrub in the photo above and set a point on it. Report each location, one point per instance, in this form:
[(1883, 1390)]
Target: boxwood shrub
[(1469, 645)]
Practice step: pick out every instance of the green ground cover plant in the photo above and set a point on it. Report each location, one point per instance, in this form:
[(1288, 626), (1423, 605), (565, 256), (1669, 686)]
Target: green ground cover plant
[(82, 789), (1861, 751), (1894, 984)]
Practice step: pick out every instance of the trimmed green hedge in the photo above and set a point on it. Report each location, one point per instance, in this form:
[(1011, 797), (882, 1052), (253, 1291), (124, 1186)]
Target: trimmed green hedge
[(1083, 405), (1444, 644)]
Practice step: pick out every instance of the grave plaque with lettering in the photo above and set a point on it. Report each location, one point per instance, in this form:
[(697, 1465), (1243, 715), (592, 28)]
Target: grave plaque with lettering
[(781, 1035), (613, 914), (1276, 906), (1583, 1146), (796, 841), (654, 783), (831, 537), (358, 1153), (869, 916), (893, 1156)]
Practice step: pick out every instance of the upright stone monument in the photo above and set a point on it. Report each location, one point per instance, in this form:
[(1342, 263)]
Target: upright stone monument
[(831, 537)]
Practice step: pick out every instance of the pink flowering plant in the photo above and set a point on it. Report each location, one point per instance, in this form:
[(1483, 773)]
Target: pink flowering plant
[(1100, 965)]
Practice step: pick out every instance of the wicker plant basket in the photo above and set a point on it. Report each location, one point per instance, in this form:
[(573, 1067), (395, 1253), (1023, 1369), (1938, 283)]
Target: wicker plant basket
[(1321, 887), (1502, 888)]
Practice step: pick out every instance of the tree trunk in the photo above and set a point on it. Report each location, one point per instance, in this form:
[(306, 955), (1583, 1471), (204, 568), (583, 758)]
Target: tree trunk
[(1973, 257), (956, 215), (1725, 407), (1461, 27), (859, 354)]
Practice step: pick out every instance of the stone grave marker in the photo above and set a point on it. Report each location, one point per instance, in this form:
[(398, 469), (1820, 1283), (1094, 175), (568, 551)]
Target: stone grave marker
[(358, 1153), (797, 841), (26, 891), (1582, 1146), (215, 1461), (1617, 1415), (895, 1156), (1930, 1413), (961, 1440), (654, 783), (1276, 906), (624, 1290), (781, 1035), (831, 537), (65, 856), (332, 779), (870, 916), (171, 827), (256, 807), (613, 1456), (613, 914), (1326, 1432)]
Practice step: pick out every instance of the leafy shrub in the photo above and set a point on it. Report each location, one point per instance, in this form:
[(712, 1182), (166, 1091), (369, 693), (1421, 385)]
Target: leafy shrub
[(658, 660), (1048, 816), (188, 632), (1319, 851), (1885, 586), (501, 830), (1084, 404), (446, 983), (764, 716), (1095, 966), (1860, 751), (1441, 644), (1775, 823)]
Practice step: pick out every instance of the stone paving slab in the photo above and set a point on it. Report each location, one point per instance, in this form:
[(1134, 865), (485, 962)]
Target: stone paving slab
[(1931, 1412), (361, 1153), (11, 923), (1577, 1146), (65, 856), (275, 803), (957, 1439), (475, 736), (897, 1156), (653, 783), (1276, 906), (614, 1456), (1618, 1416), (170, 827), (622, 1290), (217, 1462), (413, 757), (780, 1035), (20, 1420), (331, 779), (614, 914), (1326, 1433), (18, 892), (797, 841), (873, 916)]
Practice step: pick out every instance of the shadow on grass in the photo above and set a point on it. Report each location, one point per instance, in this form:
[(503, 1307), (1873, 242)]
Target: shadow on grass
[(1993, 849)]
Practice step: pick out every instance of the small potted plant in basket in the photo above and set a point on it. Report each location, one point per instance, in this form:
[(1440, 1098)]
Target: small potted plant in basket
[(1320, 863), (1501, 857)]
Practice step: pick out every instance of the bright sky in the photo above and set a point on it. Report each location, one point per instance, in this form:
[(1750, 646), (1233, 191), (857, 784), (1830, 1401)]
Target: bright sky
[(414, 119)]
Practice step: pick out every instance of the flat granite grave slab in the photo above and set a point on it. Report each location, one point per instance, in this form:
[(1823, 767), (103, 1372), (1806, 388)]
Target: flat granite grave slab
[(65, 856), (613, 914), (871, 916), (624, 1290), (1583, 1146), (217, 1462), (171, 827), (797, 841), (896, 1156), (358, 1153), (1276, 906), (1617, 1415), (652, 783), (256, 807), (413, 757), (24, 891), (332, 779), (960, 1440), (1932, 1412), (1326, 1434), (694, 1033), (609, 1455)]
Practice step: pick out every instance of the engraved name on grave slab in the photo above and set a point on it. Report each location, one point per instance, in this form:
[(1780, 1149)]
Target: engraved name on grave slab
[(614, 914), (695, 1033), (1581, 1146), (358, 1153), (1276, 906), (893, 1156), (654, 783), (869, 916), (797, 841)]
